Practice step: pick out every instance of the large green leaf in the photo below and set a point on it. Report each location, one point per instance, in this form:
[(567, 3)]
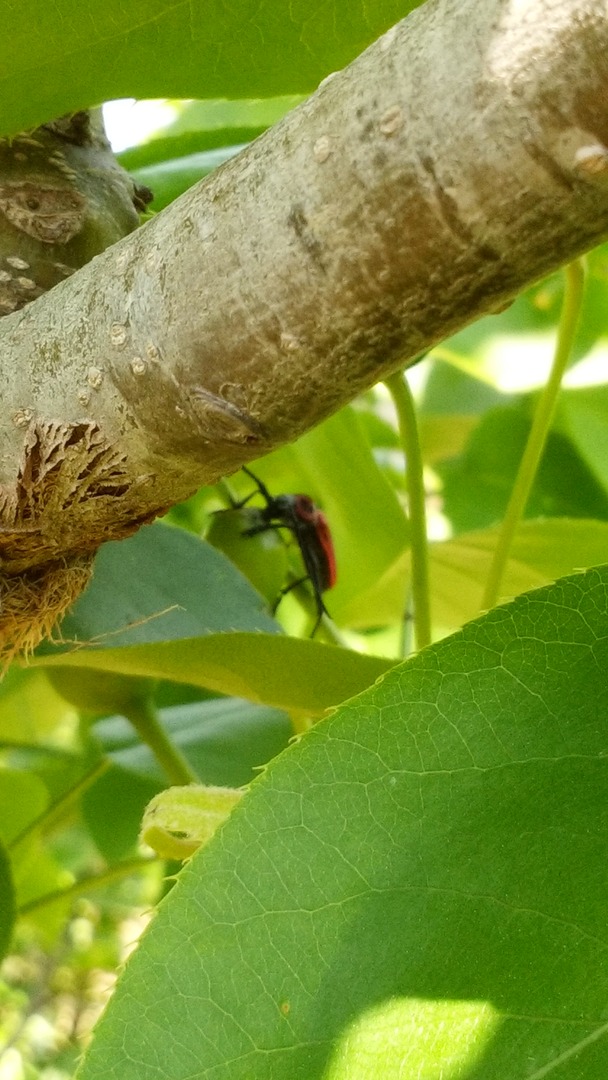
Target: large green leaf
[(300, 676), (59, 57), (158, 585), (417, 888), (541, 552), (164, 604), (162, 584), (477, 485)]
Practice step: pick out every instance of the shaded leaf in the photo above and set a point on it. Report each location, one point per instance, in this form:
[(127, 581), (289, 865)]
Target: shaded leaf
[(224, 739), (113, 808), (161, 584), (161, 587), (478, 484)]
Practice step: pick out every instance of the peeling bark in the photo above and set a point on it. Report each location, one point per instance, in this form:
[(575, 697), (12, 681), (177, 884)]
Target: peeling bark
[(460, 158), (63, 199)]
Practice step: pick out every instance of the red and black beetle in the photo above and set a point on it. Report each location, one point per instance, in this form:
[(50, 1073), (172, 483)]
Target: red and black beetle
[(309, 526)]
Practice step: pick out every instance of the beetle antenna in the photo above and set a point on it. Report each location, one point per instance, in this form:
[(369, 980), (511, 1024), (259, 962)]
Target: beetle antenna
[(263, 490)]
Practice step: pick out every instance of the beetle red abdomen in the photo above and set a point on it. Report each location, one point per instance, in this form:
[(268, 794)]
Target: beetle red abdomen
[(302, 517), (316, 536)]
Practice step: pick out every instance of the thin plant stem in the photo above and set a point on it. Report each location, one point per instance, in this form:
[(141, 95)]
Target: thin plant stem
[(86, 884), (541, 425), (49, 818), (143, 715), (399, 389)]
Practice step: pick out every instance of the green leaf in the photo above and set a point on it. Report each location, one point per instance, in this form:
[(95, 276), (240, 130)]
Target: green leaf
[(429, 863), (7, 902), (115, 834), (263, 559), (33, 870), (583, 414), (32, 714), (224, 739), (159, 606), (303, 677), (96, 693), (23, 798), (541, 552), (161, 584), (478, 484), (65, 56), (207, 125), (454, 389)]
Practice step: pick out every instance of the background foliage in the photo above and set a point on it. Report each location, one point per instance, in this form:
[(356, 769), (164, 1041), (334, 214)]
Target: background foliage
[(418, 886)]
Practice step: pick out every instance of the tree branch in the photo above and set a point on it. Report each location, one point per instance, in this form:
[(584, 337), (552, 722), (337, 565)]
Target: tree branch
[(461, 157)]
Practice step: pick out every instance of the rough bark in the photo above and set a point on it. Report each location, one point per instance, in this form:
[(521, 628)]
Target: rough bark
[(461, 157)]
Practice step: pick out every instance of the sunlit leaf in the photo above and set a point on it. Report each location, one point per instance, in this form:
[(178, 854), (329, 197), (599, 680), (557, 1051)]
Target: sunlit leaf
[(305, 677), (541, 552), (207, 125), (23, 797), (32, 714)]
